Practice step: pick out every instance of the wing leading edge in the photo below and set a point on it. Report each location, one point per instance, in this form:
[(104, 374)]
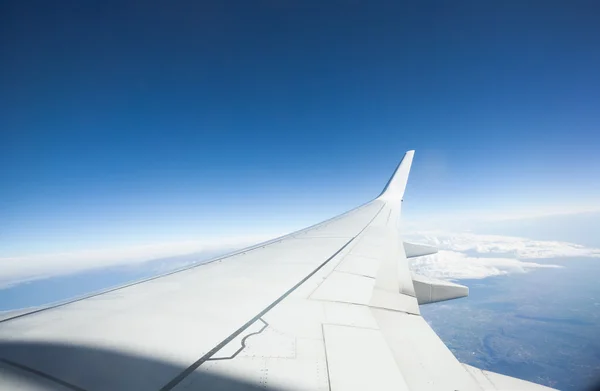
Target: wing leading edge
[(330, 307)]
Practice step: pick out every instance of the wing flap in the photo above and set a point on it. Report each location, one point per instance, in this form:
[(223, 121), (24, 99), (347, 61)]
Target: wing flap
[(491, 381), (359, 359), (418, 250), (425, 362), (430, 290)]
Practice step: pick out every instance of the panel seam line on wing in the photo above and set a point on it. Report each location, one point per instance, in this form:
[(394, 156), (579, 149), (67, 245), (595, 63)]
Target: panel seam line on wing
[(226, 256), (368, 305), (326, 359), (350, 325), (352, 273), (309, 297), (177, 379), (41, 374), (243, 343)]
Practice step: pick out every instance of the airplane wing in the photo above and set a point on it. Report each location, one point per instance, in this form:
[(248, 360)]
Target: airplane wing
[(331, 307)]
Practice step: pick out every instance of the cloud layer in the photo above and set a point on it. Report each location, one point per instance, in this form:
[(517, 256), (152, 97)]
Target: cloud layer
[(461, 256), (16, 270), (454, 265), (474, 256), (518, 247)]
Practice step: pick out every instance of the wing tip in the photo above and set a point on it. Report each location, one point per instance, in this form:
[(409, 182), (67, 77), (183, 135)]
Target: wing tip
[(394, 189)]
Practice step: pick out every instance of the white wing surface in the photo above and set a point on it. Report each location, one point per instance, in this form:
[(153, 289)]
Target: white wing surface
[(331, 307)]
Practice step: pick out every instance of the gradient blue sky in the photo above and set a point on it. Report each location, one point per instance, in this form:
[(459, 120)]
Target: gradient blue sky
[(127, 122)]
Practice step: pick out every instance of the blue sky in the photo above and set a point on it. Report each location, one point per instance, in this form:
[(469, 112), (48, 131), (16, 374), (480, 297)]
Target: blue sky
[(131, 123), (145, 130)]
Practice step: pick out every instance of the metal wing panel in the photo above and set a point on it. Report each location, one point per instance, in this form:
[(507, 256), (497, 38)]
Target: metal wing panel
[(331, 307), (360, 345), (176, 319), (491, 381)]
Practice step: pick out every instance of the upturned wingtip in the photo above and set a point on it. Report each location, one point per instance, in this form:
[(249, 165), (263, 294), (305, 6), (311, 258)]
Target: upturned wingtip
[(394, 190)]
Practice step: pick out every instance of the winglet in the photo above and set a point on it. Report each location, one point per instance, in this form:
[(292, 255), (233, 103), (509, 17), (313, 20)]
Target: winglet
[(394, 190)]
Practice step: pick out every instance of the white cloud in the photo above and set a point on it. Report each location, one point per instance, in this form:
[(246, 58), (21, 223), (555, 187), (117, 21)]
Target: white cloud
[(499, 254), (16, 270), (511, 220), (517, 247), (455, 265)]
